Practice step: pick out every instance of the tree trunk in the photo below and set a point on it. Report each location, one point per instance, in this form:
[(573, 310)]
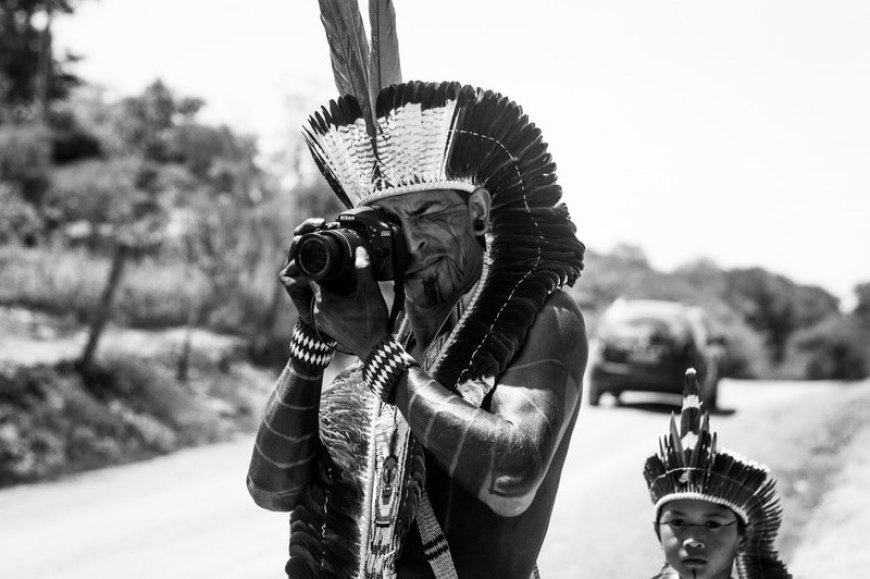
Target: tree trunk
[(104, 310), (43, 76), (182, 371)]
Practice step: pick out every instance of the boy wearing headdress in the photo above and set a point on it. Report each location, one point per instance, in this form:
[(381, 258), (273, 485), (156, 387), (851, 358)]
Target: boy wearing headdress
[(440, 454), (714, 510)]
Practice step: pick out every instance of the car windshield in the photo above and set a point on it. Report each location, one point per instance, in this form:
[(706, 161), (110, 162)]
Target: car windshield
[(650, 320)]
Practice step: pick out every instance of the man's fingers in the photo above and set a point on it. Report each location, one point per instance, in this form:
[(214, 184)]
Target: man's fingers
[(315, 289), (361, 258), (291, 253), (289, 271), (309, 225)]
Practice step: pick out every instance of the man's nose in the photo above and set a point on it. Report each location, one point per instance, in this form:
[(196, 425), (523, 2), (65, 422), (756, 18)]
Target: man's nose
[(414, 238)]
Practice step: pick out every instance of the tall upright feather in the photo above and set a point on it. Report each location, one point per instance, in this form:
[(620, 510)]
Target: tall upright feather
[(384, 68), (349, 51)]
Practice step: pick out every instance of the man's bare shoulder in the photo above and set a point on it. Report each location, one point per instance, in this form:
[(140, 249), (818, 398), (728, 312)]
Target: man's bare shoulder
[(562, 319), (558, 336)]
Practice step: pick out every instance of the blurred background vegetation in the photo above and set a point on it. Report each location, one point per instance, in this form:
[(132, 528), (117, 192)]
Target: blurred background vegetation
[(134, 213)]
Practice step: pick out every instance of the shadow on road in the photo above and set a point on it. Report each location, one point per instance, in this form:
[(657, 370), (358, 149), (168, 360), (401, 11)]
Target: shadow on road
[(664, 405)]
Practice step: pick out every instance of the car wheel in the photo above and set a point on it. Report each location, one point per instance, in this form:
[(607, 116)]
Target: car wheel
[(711, 390), (594, 394), (714, 396)]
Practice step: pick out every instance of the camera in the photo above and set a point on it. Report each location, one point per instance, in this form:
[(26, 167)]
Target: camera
[(328, 255)]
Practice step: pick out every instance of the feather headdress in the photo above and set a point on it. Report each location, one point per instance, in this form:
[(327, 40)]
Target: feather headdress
[(689, 465), (420, 136)]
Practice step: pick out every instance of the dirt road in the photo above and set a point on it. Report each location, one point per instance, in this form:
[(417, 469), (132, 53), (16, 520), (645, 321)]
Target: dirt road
[(188, 516)]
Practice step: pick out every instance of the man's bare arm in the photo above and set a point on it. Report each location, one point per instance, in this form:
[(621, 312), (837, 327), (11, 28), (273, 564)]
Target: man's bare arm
[(287, 441), (503, 454)]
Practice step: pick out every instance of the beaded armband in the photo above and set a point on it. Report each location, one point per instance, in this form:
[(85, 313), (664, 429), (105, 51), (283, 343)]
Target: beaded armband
[(308, 350), (384, 368)]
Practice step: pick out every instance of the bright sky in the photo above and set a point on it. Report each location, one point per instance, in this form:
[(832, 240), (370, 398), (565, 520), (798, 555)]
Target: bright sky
[(737, 131)]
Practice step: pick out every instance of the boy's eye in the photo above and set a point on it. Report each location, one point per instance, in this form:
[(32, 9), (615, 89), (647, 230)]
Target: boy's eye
[(676, 523), (713, 525)]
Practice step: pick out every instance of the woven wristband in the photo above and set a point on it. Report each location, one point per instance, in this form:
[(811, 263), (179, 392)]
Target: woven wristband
[(308, 351), (384, 368)]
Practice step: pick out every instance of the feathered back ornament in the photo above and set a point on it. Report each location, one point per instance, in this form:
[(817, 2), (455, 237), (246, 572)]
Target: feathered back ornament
[(360, 70), (689, 465)]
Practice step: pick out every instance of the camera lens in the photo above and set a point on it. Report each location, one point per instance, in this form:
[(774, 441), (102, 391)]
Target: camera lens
[(326, 255)]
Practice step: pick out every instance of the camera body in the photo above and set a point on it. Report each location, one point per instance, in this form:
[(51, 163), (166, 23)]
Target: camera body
[(328, 255)]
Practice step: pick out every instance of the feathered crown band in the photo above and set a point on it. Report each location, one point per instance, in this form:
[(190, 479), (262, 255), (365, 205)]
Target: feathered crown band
[(414, 134)]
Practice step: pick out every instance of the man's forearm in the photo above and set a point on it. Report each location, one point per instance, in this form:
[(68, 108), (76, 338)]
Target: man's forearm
[(486, 454), (287, 441)]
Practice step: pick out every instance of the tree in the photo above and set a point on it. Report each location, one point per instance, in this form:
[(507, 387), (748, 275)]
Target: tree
[(30, 75), (146, 125), (834, 350), (814, 304), (25, 159), (776, 306), (862, 308), (19, 221)]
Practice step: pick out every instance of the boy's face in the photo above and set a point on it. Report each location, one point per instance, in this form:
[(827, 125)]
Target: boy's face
[(700, 539)]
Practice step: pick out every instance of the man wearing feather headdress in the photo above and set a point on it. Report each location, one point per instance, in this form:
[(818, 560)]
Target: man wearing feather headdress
[(714, 509), (440, 454)]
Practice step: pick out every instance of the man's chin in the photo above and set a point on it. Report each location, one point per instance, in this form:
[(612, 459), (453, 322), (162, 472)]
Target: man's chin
[(424, 292)]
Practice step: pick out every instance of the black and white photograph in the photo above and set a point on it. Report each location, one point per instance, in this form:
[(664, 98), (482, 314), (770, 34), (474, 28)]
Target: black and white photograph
[(392, 289)]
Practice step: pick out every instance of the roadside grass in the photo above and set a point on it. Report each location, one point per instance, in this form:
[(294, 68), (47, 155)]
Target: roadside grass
[(835, 544), (43, 280), (814, 477), (807, 464), (55, 421), (153, 293)]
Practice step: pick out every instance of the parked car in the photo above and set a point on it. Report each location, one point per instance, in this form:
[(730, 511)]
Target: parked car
[(647, 345)]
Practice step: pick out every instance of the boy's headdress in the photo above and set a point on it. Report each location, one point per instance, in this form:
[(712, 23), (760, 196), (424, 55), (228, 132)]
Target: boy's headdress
[(689, 465)]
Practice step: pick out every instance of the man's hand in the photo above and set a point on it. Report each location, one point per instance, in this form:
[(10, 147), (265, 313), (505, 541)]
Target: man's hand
[(298, 286), (358, 319)]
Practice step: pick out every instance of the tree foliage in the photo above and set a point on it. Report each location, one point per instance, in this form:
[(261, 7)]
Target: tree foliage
[(25, 159), (776, 306), (143, 174), (862, 307), (835, 349), (29, 71)]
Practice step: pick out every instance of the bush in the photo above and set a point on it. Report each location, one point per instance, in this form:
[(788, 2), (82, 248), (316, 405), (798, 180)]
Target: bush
[(146, 396), (55, 281), (19, 221), (154, 292), (745, 356), (92, 195), (49, 422), (157, 293), (25, 158), (835, 349), (55, 421)]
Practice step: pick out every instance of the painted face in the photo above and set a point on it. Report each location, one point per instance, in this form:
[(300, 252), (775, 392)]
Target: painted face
[(700, 539), (445, 257)]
